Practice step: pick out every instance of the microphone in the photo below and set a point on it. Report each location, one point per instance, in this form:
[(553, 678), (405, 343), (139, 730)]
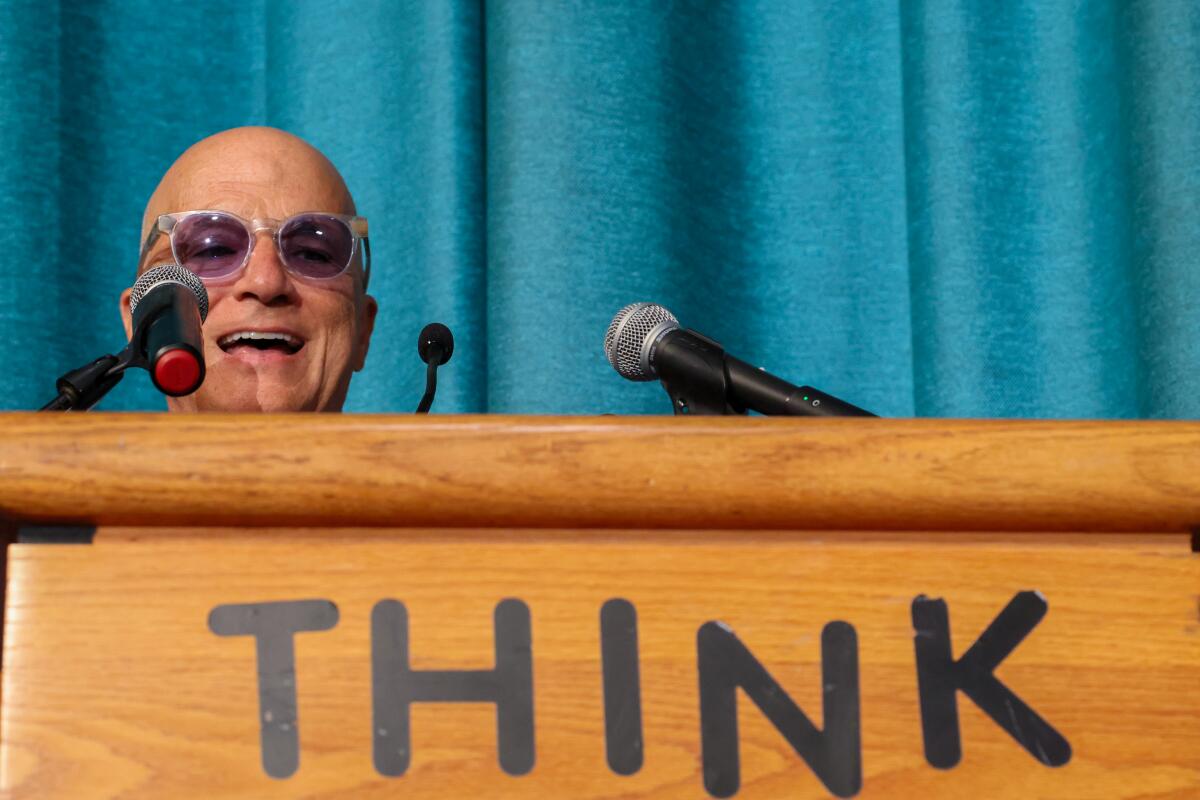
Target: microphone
[(435, 345), (645, 342), (168, 304)]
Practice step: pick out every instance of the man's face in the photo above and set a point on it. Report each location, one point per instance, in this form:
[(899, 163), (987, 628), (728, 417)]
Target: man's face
[(332, 318)]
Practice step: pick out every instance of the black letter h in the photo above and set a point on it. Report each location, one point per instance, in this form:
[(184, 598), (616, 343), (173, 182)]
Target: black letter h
[(395, 687)]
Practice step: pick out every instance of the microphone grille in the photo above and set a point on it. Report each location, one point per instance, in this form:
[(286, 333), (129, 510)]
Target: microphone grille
[(169, 273), (629, 336)]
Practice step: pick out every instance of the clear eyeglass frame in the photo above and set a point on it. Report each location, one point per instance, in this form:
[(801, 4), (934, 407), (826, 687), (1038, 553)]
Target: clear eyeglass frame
[(166, 223)]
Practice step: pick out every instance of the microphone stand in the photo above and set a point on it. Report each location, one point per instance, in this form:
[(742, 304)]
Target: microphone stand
[(704, 379), (83, 387), (430, 386)]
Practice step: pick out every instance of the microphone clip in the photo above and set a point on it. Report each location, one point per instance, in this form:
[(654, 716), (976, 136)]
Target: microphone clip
[(83, 387), (697, 381)]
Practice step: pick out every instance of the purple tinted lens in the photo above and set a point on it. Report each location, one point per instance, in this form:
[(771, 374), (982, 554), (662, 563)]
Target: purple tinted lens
[(210, 245), (316, 246)]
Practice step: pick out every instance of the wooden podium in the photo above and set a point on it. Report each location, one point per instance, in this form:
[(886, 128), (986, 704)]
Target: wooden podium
[(501, 607)]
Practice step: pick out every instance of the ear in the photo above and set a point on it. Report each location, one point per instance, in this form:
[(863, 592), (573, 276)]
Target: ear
[(366, 324), (126, 314)]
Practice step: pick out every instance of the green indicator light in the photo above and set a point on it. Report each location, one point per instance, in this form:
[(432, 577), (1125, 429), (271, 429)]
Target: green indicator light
[(805, 397)]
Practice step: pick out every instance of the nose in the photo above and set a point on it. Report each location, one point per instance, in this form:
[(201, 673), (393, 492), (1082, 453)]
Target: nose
[(265, 279)]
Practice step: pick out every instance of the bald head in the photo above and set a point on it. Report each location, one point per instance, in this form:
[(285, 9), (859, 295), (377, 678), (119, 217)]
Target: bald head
[(273, 340), (255, 168)]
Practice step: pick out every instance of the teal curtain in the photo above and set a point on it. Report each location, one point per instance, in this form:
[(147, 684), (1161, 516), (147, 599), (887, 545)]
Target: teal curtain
[(927, 207)]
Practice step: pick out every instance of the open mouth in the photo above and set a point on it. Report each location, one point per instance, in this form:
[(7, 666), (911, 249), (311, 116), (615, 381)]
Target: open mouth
[(260, 341)]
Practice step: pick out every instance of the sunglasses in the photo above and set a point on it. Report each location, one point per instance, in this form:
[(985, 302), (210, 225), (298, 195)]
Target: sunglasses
[(216, 245)]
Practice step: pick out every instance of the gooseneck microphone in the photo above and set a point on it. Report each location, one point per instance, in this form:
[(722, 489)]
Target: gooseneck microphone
[(435, 345), (169, 304), (645, 342)]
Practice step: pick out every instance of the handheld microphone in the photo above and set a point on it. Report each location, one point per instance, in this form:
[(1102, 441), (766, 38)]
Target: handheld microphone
[(645, 342), (168, 304), (435, 345)]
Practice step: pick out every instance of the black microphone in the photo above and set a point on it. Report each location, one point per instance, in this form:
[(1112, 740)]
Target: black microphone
[(645, 342), (169, 304), (435, 345)]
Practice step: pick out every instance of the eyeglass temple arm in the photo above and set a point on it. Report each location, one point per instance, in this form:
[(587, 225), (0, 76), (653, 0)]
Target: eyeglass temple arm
[(163, 224), (366, 244)]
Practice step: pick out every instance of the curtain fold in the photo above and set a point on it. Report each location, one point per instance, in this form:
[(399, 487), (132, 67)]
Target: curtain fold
[(1018, 217), (932, 207)]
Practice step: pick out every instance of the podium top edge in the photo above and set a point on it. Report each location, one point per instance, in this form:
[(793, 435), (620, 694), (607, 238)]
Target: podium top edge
[(510, 471)]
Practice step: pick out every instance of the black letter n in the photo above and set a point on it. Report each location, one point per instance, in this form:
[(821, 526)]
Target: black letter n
[(395, 686), (835, 754)]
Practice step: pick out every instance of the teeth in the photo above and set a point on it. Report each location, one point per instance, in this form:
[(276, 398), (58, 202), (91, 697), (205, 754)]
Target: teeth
[(232, 338)]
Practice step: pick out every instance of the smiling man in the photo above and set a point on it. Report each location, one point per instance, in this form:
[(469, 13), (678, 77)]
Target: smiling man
[(267, 223)]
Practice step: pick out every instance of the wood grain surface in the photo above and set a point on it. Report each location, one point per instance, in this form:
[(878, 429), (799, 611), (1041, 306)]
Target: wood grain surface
[(114, 687), (599, 472)]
